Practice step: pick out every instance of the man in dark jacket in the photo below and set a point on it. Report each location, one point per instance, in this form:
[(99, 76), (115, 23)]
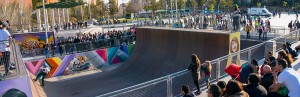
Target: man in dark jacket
[(253, 88), (268, 78)]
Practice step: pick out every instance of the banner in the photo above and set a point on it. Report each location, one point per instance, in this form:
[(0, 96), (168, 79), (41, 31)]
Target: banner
[(234, 46), (30, 41)]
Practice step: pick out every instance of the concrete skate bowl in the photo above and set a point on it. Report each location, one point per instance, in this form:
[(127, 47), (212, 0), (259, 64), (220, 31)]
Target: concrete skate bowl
[(158, 52)]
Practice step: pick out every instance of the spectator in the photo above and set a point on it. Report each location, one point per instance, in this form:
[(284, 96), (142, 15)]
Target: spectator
[(268, 78), (4, 46), (288, 78), (195, 69), (248, 31), (46, 49), (214, 91), (260, 31), (290, 25), (234, 89), (53, 46), (253, 88), (60, 47), (207, 71), (261, 68), (248, 69), (283, 55), (222, 85), (185, 90)]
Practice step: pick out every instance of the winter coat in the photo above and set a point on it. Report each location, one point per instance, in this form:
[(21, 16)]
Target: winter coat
[(195, 71), (256, 90)]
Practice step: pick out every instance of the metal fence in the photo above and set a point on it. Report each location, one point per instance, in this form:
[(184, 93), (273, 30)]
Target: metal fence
[(10, 60), (169, 86), (68, 48)]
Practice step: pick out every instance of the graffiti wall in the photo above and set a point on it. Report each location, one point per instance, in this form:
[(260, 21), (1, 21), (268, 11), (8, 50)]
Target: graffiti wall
[(18, 87), (29, 41), (81, 62)]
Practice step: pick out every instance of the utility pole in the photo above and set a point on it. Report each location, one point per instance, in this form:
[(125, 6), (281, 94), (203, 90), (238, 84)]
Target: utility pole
[(176, 9), (45, 20), (172, 11), (90, 10)]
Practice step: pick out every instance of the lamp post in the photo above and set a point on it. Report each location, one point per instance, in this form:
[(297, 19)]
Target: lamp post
[(218, 8), (45, 20), (90, 10), (176, 9), (172, 11), (108, 16)]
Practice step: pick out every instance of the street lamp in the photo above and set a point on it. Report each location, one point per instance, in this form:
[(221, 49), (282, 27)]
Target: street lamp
[(108, 16), (218, 8), (45, 20)]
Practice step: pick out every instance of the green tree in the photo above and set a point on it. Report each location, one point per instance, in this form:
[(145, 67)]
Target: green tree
[(98, 9), (203, 2), (160, 4), (154, 7), (223, 4), (258, 4), (284, 3), (188, 3), (129, 7), (194, 4), (229, 4), (113, 7), (180, 4)]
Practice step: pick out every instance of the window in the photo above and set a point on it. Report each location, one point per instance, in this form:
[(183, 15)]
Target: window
[(264, 11)]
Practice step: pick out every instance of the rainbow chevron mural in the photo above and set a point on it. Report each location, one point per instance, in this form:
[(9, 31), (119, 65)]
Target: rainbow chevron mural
[(65, 65)]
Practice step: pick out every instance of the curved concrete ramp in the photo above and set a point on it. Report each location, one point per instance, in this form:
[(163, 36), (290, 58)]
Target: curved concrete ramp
[(158, 52)]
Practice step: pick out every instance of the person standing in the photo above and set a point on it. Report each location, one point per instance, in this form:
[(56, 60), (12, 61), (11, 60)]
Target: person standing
[(60, 47), (207, 72), (5, 41), (46, 50), (53, 47), (195, 70), (248, 31), (260, 31), (42, 74)]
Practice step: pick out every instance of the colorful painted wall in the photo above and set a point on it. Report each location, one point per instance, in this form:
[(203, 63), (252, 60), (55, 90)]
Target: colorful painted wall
[(81, 62), (28, 41), (17, 87)]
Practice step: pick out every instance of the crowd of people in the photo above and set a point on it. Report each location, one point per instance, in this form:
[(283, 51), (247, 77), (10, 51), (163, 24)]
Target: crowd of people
[(89, 41), (275, 78)]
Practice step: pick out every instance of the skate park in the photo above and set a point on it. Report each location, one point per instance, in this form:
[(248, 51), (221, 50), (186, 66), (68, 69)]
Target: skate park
[(137, 59)]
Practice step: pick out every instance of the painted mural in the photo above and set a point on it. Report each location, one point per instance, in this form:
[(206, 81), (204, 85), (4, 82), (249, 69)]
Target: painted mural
[(75, 63), (18, 87), (30, 41)]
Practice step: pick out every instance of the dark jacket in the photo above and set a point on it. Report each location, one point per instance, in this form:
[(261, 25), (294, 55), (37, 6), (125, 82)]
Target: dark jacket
[(246, 71), (256, 90), (240, 94), (267, 80), (195, 71), (189, 95)]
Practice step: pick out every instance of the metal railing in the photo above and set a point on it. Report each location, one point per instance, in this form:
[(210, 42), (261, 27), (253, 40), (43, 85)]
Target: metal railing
[(169, 86), (68, 48)]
